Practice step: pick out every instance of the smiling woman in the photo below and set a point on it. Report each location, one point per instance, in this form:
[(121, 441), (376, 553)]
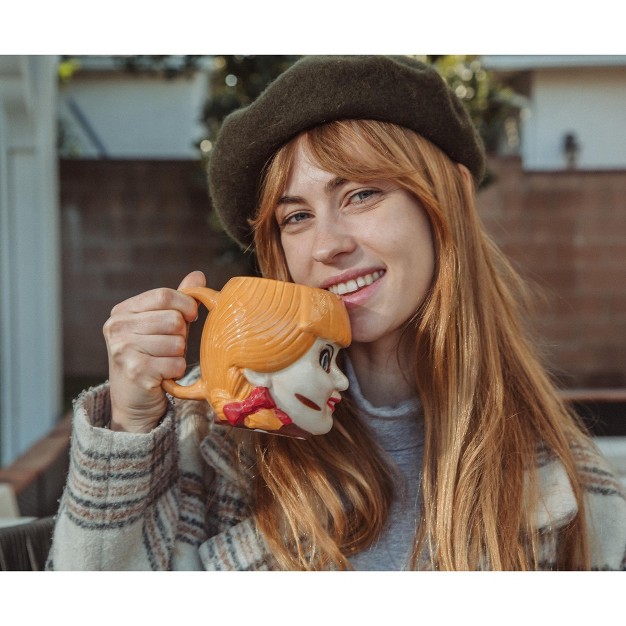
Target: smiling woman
[(451, 450)]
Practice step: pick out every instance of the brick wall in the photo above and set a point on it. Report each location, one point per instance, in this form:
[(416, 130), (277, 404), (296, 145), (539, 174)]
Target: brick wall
[(566, 232), (128, 227), (131, 226)]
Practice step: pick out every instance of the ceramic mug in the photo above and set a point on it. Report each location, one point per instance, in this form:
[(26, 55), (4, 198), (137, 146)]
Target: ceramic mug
[(268, 356)]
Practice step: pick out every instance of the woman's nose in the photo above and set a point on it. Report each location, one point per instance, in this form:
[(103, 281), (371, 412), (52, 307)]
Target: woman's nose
[(331, 240)]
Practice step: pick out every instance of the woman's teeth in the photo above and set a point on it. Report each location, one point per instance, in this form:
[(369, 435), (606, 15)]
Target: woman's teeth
[(351, 286)]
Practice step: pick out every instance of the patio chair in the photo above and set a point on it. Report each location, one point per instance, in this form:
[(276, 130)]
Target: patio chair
[(25, 547)]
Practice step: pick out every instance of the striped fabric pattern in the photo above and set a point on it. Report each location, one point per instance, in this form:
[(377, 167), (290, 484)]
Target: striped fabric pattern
[(165, 501)]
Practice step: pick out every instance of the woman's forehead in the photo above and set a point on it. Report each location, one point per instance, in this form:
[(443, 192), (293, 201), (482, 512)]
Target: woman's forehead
[(315, 160), (306, 171)]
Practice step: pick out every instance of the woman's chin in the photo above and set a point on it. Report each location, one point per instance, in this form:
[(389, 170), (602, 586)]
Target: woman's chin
[(366, 333)]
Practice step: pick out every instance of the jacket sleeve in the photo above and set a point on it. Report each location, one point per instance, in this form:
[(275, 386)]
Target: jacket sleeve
[(605, 510), (129, 503)]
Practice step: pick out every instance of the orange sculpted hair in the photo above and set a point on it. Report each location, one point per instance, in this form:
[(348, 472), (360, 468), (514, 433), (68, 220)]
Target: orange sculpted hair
[(488, 402), (264, 325)]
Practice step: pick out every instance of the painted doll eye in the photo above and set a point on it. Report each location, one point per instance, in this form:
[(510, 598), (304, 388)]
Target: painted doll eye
[(326, 356)]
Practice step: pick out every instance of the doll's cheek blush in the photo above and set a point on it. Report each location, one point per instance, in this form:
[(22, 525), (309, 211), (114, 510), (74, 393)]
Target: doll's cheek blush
[(308, 402)]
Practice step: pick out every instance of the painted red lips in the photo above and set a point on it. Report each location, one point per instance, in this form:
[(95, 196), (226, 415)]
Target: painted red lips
[(333, 402)]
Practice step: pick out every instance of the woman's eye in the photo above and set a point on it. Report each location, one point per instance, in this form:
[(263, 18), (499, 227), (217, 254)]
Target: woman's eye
[(362, 196), (294, 218), (326, 356)]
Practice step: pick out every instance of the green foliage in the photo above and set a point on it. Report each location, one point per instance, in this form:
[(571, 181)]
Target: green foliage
[(236, 81), (168, 66), (67, 67), (489, 102)]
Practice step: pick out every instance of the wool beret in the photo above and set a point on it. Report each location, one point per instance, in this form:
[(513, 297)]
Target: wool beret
[(320, 89)]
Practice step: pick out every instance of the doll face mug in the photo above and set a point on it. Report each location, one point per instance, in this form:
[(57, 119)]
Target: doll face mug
[(268, 356)]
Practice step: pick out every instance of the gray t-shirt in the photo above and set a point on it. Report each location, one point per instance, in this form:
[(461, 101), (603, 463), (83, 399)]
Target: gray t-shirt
[(399, 430)]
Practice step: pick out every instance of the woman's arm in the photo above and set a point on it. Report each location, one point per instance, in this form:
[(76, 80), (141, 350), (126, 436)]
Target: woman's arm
[(132, 501)]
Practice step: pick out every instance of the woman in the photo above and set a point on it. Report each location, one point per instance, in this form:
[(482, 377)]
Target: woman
[(452, 451)]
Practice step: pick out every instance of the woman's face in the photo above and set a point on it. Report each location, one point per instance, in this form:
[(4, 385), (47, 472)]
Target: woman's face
[(369, 243), (308, 389)]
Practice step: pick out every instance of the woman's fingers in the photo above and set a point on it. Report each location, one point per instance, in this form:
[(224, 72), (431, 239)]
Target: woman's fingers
[(146, 373), (193, 279), (161, 345), (147, 323), (146, 338), (161, 299)]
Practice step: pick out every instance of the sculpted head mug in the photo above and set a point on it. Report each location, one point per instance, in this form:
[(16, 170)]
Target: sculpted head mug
[(268, 356)]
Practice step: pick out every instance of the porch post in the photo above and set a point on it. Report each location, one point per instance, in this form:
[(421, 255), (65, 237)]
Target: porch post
[(31, 376)]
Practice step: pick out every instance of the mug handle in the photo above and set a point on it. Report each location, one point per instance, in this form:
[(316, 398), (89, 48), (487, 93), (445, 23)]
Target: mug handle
[(195, 391)]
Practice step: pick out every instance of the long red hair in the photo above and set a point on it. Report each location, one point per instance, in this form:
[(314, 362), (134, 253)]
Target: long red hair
[(488, 402)]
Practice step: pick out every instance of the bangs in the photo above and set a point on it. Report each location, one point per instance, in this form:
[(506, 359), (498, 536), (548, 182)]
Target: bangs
[(357, 150), (360, 150)]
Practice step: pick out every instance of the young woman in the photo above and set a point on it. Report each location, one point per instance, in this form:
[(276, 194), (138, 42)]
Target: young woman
[(452, 450)]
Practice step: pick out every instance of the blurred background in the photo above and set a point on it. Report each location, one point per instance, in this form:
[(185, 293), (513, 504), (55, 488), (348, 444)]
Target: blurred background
[(103, 195)]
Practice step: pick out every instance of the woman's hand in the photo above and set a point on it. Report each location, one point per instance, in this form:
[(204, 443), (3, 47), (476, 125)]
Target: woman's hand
[(146, 339)]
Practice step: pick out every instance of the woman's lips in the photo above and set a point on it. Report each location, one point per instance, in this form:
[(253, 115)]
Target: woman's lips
[(356, 291), (352, 285)]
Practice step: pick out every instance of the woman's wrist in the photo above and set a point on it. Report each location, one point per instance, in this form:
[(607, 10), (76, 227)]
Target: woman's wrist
[(127, 424), (130, 426)]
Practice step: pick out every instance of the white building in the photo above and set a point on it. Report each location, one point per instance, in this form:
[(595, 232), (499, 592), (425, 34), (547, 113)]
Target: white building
[(108, 113), (576, 109)]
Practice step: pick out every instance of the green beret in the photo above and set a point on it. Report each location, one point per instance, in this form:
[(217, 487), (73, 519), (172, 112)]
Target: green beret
[(320, 89)]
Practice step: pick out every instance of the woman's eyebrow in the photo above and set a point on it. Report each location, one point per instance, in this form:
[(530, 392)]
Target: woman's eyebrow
[(332, 184), (329, 187), (290, 200)]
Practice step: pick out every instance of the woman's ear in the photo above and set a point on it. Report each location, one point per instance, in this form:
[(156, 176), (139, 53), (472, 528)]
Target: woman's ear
[(258, 379)]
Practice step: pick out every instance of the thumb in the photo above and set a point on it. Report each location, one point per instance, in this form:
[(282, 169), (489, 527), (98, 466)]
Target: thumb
[(193, 279)]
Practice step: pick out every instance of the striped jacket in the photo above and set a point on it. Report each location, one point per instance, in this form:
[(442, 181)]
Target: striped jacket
[(163, 500)]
